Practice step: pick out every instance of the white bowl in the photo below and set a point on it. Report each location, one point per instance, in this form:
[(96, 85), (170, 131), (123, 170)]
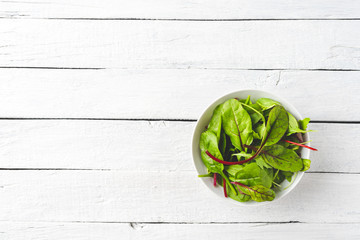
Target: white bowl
[(204, 121)]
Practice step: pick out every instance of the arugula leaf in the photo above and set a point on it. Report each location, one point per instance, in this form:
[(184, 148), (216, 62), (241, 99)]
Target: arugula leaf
[(282, 158), (267, 103), (257, 193), (237, 123)]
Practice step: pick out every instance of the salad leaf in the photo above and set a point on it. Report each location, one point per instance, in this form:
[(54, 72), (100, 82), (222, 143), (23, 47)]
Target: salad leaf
[(260, 161), (288, 175), (277, 125), (215, 122), (267, 103), (257, 193), (294, 126), (208, 142), (303, 123), (250, 174), (237, 124), (282, 158), (306, 163)]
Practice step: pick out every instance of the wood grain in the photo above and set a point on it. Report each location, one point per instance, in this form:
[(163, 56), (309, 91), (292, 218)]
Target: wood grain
[(180, 44), (168, 93), (151, 196), (112, 231), (142, 146), (178, 9)]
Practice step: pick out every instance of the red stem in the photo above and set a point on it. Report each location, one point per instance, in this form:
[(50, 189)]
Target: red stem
[(224, 185), (230, 163), (215, 174), (243, 185), (301, 145)]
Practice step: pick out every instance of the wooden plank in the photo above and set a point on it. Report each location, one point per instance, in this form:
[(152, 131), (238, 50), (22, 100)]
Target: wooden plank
[(143, 146), (139, 196), (112, 231), (146, 94), (180, 44), (194, 9)]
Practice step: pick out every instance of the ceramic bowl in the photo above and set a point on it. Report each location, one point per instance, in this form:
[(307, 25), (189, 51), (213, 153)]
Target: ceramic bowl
[(204, 120)]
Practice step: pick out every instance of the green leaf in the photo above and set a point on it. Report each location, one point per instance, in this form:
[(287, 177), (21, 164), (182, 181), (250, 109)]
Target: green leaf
[(239, 196), (237, 123), (306, 163), (258, 193), (288, 175), (242, 154), (222, 143), (294, 125), (260, 161), (215, 122), (250, 174), (206, 175), (208, 141), (277, 125), (267, 103), (248, 101), (303, 123), (282, 158)]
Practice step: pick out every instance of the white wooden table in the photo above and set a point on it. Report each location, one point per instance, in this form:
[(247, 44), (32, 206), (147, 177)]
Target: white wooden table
[(98, 100)]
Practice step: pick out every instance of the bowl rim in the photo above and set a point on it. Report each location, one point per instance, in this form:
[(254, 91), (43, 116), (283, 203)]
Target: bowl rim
[(296, 177)]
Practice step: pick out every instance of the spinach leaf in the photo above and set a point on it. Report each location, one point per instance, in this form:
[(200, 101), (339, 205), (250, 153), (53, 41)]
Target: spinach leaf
[(303, 123), (266, 103), (282, 158), (294, 125), (279, 178), (215, 122), (260, 161), (222, 144), (258, 193), (288, 175), (248, 101), (237, 124), (277, 125), (306, 163), (243, 155), (208, 142), (259, 131), (250, 174), (239, 196)]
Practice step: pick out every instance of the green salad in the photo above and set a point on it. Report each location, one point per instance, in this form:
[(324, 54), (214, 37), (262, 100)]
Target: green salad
[(250, 148)]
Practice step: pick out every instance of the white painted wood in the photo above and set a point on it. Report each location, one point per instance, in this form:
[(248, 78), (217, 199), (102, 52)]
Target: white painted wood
[(143, 146), (145, 196), (115, 231), (193, 9), (168, 93), (180, 44)]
